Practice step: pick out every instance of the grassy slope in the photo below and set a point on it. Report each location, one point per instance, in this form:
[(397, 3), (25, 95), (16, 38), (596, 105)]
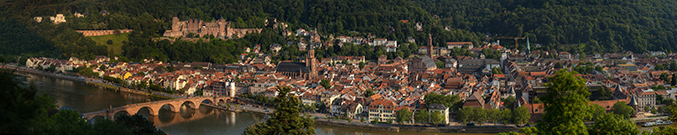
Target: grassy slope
[(116, 47)]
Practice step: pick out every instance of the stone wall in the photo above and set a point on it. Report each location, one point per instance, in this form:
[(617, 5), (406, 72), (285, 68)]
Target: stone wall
[(88, 33)]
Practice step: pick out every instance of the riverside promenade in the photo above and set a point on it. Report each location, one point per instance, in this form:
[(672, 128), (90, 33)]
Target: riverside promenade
[(91, 81)]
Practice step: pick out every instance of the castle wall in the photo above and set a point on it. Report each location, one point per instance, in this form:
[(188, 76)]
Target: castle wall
[(219, 29), (88, 33)]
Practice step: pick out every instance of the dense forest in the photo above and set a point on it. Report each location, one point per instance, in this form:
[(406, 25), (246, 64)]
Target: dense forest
[(576, 26)]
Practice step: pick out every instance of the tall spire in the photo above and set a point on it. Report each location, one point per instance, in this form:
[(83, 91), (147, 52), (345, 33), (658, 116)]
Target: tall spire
[(528, 46), (430, 43)]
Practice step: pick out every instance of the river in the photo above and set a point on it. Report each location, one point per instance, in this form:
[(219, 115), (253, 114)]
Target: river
[(204, 121)]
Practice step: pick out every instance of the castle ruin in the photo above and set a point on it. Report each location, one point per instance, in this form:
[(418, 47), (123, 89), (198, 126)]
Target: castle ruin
[(219, 28)]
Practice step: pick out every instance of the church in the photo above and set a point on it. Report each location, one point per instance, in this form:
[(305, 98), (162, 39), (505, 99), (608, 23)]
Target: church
[(300, 70)]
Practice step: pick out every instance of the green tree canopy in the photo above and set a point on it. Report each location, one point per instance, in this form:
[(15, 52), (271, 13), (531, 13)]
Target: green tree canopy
[(621, 108), (286, 118), (521, 115), (565, 105), (436, 117), (403, 115), (611, 124)]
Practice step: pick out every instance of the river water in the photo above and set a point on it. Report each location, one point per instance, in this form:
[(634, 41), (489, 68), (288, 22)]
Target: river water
[(203, 121)]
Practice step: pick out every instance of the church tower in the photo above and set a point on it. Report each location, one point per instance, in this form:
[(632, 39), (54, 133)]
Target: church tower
[(430, 43), (311, 64)]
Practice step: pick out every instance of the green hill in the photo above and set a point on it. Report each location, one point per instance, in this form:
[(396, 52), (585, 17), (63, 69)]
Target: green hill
[(117, 40)]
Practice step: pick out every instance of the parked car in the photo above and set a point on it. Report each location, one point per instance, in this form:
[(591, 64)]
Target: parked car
[(471, 124)]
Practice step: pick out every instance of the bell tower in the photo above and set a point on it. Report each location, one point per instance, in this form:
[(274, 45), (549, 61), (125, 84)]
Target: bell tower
[(311, 64)]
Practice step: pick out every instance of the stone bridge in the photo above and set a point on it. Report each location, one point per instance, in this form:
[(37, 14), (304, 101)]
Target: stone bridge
[(154, 107)]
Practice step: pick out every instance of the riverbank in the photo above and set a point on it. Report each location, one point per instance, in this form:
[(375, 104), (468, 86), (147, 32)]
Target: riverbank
[(321, 119), (90, 81)]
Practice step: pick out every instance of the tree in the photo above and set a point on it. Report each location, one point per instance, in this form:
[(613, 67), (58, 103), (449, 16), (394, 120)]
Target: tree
[(286, 118), (465, 115), (622, 109), (447, 100), (22, 109), (674, 80), (102, 67), (596, 111), (496, 70), (139, 125), (325, 83), (66, 122), (363, 120), (421, 116), (375, 121), (493, 115), (521, 115), (107, 126), (436, 117), (653, 110), (565, 105), (361, 65), (611, 124), (439, 64), (509, 102), (403, 115), (659, 67), (665, 77), (479, 116), (506, 116), (558, 65), (109, 42), (368, 93)]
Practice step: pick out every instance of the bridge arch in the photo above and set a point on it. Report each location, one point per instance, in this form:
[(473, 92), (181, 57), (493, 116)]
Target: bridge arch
[(171, 107), (150, 110), (120, 113), (190, 104)]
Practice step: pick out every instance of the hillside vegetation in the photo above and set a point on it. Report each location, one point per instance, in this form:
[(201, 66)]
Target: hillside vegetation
[(587, 26)]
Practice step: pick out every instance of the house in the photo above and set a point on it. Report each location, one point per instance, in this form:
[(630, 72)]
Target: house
[(646, 98), (564, 56), (382, 109), (451, 45), (475, 101)]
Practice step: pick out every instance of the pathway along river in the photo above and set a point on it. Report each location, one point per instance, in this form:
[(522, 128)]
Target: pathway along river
[(204, 121)]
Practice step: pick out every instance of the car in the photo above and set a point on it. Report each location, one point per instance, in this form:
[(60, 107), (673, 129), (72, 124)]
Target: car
[(471, 124)]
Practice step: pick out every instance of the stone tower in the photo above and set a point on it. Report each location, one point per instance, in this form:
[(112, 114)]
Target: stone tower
[(311, 64), (430, 43)]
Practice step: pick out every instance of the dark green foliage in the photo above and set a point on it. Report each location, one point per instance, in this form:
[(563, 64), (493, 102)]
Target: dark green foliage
[(421, 116), (521, 115), (113, 79), (451, 101), (509, 102), (16, 39), (107, 126), (325, 83), (611, 124), (665, 77), (602, 93), (497, 70), (491, 54), (440, 64), (22, 110), (566, 104), (368, 93), (596, 26), (436, 117), (139, 125), (659, 67), (403, 115), (285, 118), (622, 109), (66, 122), (674, 80)]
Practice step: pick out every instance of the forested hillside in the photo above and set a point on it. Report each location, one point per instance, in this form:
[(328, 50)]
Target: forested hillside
[(597, 25), (581, 26)]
